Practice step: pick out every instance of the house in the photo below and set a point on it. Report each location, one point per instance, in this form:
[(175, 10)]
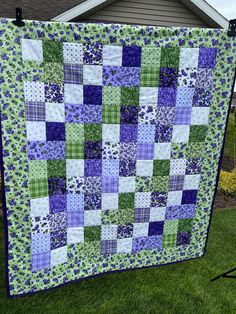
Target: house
[(191, 13)]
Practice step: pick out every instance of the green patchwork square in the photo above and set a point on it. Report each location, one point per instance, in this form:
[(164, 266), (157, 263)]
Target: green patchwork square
[(178, 150), (93, 132), (150, 76), (195, 150), (161, 167), (74, 150), (38, 169), (118, 217), (197, 133), (75, 132), (169, 240), (52, 51), (36, 74), (130, 96), (151, 56), (92, 233), (38, 188), (142, 184), (111, 95), (111, 114), (171, 226), (185, 225), (159, 184), (56, 168), (170, 57), (53, 72), (126, 200)]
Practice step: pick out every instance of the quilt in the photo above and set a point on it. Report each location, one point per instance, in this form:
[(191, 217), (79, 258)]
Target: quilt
[(111, 142)]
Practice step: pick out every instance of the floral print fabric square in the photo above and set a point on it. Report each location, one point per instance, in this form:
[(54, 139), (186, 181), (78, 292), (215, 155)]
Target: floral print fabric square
[(114, 136)]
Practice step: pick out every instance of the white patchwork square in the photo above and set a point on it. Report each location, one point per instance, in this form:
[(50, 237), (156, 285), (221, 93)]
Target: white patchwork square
[(126, 184), (109, 201), (92, 217), (36, 131), (55, 112), (140, 229), (112, 55), (92, 74), (34, 91), (124, 245), (58, 256), (191, 182), (162, 151), (180, 133), (109, 232), (32, 50), (75, 235), (144, 168), (189, 57), (73, 94), (174, 198), (200, 115), (39, 207), (142, 199), (148, 96), (177, 166), (111, 133), (157, 213), (73, 53), (74, 168)]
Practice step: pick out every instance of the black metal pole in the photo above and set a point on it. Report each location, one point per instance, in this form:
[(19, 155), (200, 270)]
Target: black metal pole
[(19, 20), (226, 275)]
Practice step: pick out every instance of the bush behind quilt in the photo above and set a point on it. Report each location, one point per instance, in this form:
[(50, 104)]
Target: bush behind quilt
[(111, 140)]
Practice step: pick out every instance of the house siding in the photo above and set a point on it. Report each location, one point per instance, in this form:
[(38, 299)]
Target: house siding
[(149, 12)]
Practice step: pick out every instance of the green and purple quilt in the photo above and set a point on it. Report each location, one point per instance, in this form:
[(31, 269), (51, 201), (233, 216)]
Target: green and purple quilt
[(111, 142)]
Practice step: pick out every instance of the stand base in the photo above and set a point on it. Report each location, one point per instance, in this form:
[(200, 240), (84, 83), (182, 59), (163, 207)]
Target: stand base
[(226, 275)]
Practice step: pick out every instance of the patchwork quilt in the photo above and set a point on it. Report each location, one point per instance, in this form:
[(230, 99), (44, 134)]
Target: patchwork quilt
[(111, 141)]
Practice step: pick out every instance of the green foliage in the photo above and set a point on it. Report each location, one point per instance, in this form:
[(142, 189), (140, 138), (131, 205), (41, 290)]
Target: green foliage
[(227, 183)]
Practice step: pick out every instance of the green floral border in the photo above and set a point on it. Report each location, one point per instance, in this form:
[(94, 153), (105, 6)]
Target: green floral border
[(21, 279)]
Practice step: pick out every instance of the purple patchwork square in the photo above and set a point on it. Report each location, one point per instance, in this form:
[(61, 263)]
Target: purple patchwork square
[(128, 151), (56, 150), (56, 186), (93, 168), (92, 201), (163, 133), (121, 76), (40, 243), (75, 219), (74, 113), (145, 151), (40, 261), (147, 243), (57, 203), (155, 228), (183, 115), (194, 165), (158, 199), (202, 97), (180, 212), (93, 150), (110, 184), (92, 95), (165, 115), (168, 77), (131, 56), (92, 54), (129, 114), (75, 202), (110, 167), (37, 150), (93, 185), (207, 57), (73, 74), (189, 197), (57, 221), (128, 132), (54, 92), (92, 114), (127, 168), (108, 247), (58, 239), (125, 231), (176, 183), (35, 111), (55, 131), (141, 214), (183, 238), (166, 96), (184, 96), (146, 133)]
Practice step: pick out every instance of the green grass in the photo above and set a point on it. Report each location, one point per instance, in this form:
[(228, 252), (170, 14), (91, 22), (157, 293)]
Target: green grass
[(179, 288), (230, 143)]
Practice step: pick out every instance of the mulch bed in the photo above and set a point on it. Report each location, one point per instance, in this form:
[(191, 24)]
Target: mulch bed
[(228, 163), (224, 201)]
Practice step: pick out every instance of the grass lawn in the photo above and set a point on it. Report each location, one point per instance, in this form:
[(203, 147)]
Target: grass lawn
[(230, 143), (180, 288)]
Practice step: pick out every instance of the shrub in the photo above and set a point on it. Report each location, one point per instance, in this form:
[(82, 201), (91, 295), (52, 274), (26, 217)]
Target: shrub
[(227, 183)]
